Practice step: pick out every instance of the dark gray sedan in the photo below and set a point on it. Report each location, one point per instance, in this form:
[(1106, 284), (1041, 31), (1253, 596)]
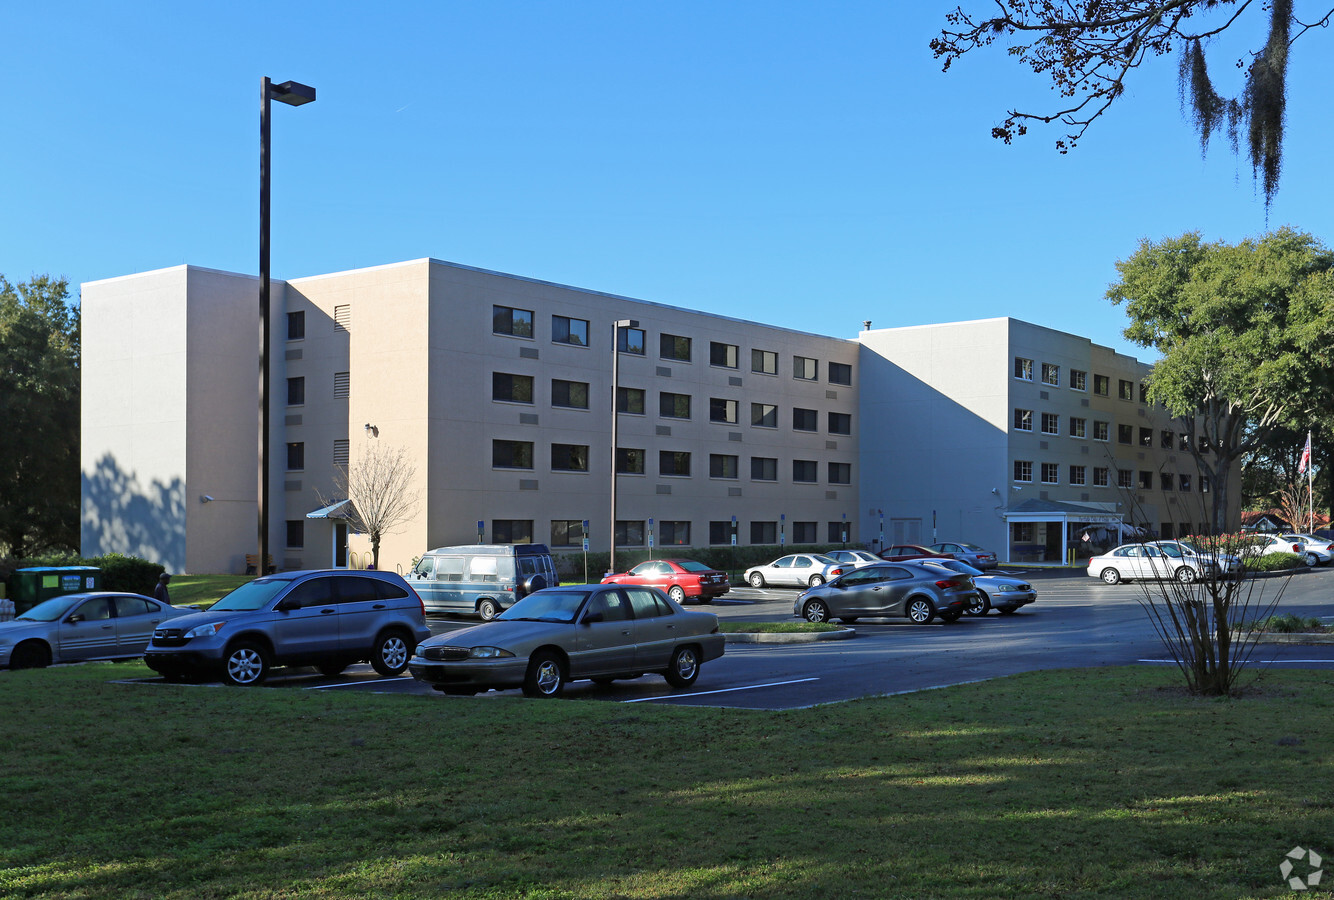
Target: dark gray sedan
[(993, 591), (888, 590), (77, 627), (557, 635)]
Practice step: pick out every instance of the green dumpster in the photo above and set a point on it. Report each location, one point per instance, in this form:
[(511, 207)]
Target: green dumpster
[(28, 587)]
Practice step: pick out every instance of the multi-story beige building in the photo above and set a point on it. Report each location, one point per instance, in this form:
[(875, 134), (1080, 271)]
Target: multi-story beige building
[(499, 391)]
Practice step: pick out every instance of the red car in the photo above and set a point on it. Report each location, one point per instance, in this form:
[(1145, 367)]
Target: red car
[(904, 552), (680, 579)]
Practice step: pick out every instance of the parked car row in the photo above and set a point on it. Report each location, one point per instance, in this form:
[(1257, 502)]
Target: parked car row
[(917, 589), (1187, 562)]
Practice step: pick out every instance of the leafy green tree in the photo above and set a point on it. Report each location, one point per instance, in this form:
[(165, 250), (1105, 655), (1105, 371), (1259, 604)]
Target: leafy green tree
[(39, 406), (1245, 337), (1089, 50)]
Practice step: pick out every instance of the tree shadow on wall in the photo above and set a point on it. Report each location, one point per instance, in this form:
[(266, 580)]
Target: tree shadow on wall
[(118, 515)]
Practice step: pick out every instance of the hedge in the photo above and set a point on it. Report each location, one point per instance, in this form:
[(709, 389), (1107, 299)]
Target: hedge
[(119, 572)]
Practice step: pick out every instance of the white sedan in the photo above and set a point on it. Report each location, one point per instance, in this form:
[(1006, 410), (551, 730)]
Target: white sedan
[(854, 558), (1180, 560), (797, 570), (1314, 552)]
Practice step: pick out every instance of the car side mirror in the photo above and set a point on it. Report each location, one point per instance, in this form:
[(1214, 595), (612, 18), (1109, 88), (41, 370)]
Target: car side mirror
[(593, 617), (75, 619), (287, 604)]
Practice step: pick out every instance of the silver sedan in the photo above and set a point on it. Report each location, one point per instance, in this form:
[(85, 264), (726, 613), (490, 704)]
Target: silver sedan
[(993, 591), (77, 627), (797, 570)]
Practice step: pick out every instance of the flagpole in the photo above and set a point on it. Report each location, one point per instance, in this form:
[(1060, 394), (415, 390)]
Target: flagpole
[(1310, 484)]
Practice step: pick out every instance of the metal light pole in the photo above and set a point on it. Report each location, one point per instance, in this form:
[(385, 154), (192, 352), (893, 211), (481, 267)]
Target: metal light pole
[(615, 417), (293, 94)]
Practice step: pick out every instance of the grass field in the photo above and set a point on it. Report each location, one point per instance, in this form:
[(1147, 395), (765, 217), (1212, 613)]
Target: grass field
[(1090, 783)]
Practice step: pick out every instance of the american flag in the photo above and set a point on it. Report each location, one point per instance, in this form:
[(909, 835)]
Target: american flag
[(1306, 456)]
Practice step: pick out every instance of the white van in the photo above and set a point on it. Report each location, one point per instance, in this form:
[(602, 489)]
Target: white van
[(481, 579)]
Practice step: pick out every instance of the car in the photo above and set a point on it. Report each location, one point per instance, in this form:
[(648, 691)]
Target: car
[(796, 570), (326, 618), (853, 558), (904, 552), (1264, 544), (561, 634), (680, 579), (1315, 552), (972, 554), (1181, 560), (84, 626), (888, 590), (481, 579), (993, 591)]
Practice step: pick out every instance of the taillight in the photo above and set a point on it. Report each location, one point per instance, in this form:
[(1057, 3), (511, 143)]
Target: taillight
[(949, 583), (419, 600), (833, 572)]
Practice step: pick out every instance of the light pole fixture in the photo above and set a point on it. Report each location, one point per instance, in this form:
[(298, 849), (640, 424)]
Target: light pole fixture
[(293, 94), (615, 417)]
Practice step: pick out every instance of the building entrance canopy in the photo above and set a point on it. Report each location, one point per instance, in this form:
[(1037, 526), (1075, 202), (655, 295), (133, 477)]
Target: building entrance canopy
[(1070, 517)]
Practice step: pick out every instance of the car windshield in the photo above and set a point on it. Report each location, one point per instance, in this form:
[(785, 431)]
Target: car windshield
[(691, 566), (49, 610), (551, 605), (251, 596)]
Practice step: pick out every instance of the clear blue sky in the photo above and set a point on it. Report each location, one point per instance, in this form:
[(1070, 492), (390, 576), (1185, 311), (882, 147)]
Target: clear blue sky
[(801, 164)]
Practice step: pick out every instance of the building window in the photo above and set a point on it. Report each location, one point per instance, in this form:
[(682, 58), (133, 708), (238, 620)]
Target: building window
[(1165, 530), (1101, 430), (1166, 482), (764, 532), (1051, 423), (1051, 374), (509, 388), (1184, 445), (567, 532), (565, 330), (630, 533), (1078, 380), (673, 406), (296, 391), (340, 452), (840, 373), (1077, 427), (296, 534), (569, 394), (723, 466), (512, 454), (805, 532), (720, 532), (1204, 484), (1023, 368), (674, 462), (569, 458), (296, 456), (1102, 385), (805, 471), (1051, 473), (630, 400), (516, 322), (1100, 477), (1126, 389), (1023, 470), (722, 410), (630, 461), (1078, 475), (1125, 434), (1023, 420), (512, 531), (724, 355), (838, 532), (1146, 437), (1143, 392), (296, 326), (805, 419), (1021, 532), (805, 368), (840, 423), (763, 468), (840, 473), (673, 534), (764, 415), (1125, 478), (673, 346), (1145, 480), (342, 387), (1167, 440), (630, 340), (1183, 483), (765, 362)]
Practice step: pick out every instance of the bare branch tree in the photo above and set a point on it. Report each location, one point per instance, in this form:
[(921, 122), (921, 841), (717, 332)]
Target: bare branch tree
[(381, 484)]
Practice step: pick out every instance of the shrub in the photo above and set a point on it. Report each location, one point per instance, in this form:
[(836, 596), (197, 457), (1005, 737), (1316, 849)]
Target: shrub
[(1288, 624), (1275, 562)]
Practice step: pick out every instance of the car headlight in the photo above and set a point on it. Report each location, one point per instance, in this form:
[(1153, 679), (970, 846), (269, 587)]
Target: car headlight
[(204, 630), (1005, 588), (488, 653)]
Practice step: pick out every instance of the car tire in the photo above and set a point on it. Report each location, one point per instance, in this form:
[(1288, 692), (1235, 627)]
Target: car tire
[(330, 669), (684, 667), (30, 655), (815, 611), (1311, 560), (920, 610), (245, 665), (391, 654), (677, 593), (546, 676), (979, 606), (756, 580), (1185, 575), (816, 581), (488, 609), (1111, 576)]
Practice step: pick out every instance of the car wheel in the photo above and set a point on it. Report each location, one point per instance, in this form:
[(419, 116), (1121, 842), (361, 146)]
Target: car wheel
[(816, 580), (546, 676), (391, 653), (1111, 576), (1311, 560), (488, 610), (1185, 575), (920, 610), (331, 668), (246, 664), (678, 594), (979, 605), (30, 655), (815, 611), (684, 667), (756, 580)]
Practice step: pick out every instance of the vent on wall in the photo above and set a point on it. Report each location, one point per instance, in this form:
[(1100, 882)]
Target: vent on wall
[(342, 385), (527, 353), (343, 317), (340, 452)]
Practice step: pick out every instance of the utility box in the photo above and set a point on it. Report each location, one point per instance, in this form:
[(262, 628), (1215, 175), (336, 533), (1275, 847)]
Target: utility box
[(28, 587)]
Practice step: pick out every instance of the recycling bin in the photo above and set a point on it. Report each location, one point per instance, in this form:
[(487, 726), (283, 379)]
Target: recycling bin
[(28, 587)]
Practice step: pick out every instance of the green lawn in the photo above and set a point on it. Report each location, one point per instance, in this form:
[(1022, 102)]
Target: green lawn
[(202, 590), (1088, 783)]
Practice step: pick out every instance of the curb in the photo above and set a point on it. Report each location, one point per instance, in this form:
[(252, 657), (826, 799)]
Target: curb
[(1277, 637), (787, 637)]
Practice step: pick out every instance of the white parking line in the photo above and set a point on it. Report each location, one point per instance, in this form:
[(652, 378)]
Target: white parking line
[(324, 687), (749, 687)]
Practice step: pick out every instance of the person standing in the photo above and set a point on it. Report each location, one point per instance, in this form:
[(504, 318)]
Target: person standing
[(160, 592)]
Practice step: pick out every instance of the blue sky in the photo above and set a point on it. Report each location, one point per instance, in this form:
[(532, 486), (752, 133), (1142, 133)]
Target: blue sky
[(802, 164)]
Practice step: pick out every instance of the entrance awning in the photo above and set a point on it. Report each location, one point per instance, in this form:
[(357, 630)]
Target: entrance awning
[(1067, 516), (342, 509), (1056, 511)]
